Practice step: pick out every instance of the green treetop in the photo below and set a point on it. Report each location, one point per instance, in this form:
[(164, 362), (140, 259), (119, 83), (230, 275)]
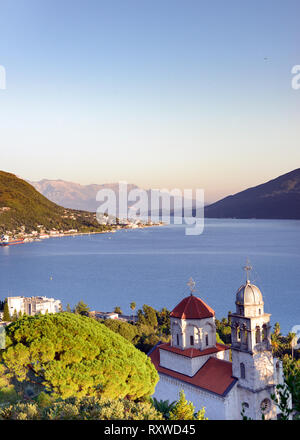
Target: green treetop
[(184, 410), (72, 355), (81, 308)]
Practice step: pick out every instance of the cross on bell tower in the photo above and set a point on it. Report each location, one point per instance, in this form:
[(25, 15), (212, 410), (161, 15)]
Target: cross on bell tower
[(247, 269)]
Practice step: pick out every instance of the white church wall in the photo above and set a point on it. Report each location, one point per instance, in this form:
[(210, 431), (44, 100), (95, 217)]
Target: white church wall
[(254, 401), (216, 407), (186, 365), (259, 369), (182, 364)]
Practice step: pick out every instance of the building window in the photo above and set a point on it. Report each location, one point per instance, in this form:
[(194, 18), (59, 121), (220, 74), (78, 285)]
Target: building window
[(243, 372), (191, 340), (206, 339), (265, 333), (177, 339), (265, 406)]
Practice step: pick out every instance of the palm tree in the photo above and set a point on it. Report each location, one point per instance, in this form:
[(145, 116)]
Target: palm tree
[(292, 341), (163, 406), (277, 329), (133, 306)]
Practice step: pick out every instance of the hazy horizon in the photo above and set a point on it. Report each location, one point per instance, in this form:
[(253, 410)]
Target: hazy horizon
[(159, 94), (207, 200)]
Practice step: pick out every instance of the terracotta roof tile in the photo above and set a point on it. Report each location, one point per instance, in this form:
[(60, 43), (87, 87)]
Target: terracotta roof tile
[(194, 352), (192, 307), (214, 376)]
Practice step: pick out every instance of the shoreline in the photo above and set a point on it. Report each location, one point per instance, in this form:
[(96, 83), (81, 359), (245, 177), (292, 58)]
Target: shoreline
[(75, 234)]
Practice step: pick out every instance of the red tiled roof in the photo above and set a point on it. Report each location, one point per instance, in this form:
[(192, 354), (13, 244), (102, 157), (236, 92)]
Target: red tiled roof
[(214, 376), (194, 352), (192, 307)]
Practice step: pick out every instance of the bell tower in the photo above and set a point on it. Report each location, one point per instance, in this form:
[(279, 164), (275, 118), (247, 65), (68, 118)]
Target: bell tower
[(252, 361)]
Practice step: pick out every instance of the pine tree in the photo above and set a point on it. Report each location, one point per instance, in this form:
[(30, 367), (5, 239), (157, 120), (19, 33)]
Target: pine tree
[(68, 308), (6, 315), (184, 410), (81, 308), (81, 357)]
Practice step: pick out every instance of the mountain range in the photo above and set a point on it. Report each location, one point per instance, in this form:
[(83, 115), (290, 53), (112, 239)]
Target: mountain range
[(277, 199)]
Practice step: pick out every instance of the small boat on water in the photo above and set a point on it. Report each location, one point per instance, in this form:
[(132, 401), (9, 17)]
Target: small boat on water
[(5, 241)]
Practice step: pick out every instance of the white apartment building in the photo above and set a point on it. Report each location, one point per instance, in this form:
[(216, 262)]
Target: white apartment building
[(33, 305)]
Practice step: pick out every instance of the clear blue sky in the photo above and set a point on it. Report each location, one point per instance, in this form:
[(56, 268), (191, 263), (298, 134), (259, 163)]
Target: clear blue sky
[(161, 93)]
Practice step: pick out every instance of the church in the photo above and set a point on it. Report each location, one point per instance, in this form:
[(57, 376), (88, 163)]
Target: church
[(220, 378)]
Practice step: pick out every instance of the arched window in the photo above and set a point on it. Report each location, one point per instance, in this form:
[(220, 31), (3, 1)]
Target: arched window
[(265, 406), (257, 335), (206, 339), (238, 333), (243, 371), (245, 337), (191, 340), (265, 332), (177, 339)]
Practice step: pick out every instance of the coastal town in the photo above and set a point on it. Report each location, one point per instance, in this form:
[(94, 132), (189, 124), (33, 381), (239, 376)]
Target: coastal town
[(40, 233)]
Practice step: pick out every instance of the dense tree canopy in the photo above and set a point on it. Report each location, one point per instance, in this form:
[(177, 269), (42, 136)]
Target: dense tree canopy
[(128, 331), (73, 355), (87, 408)]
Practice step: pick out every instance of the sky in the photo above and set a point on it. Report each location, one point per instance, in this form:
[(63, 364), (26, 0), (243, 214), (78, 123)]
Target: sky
[(161, 93)]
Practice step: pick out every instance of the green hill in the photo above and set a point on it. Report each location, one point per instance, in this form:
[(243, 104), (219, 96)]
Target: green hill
[(23, 209)]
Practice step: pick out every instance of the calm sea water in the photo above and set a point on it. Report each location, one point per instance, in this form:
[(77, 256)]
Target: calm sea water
[(152, 266)]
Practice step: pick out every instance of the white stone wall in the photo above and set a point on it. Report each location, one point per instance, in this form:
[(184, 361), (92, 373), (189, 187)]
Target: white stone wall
[(168, 388), (259, 369), (254, 400), (182, 364), (186, 365)]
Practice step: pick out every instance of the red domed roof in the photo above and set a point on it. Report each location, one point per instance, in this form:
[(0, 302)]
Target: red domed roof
[(192, 307)]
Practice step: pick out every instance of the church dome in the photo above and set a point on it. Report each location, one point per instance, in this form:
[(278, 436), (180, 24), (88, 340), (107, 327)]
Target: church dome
[(249, 294), (192, 307)]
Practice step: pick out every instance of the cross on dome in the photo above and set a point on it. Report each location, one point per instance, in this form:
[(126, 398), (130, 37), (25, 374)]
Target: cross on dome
[(191, 285)]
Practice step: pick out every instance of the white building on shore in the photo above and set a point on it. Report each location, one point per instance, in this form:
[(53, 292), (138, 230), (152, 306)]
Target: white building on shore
[(33, 305), (196, 363)]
